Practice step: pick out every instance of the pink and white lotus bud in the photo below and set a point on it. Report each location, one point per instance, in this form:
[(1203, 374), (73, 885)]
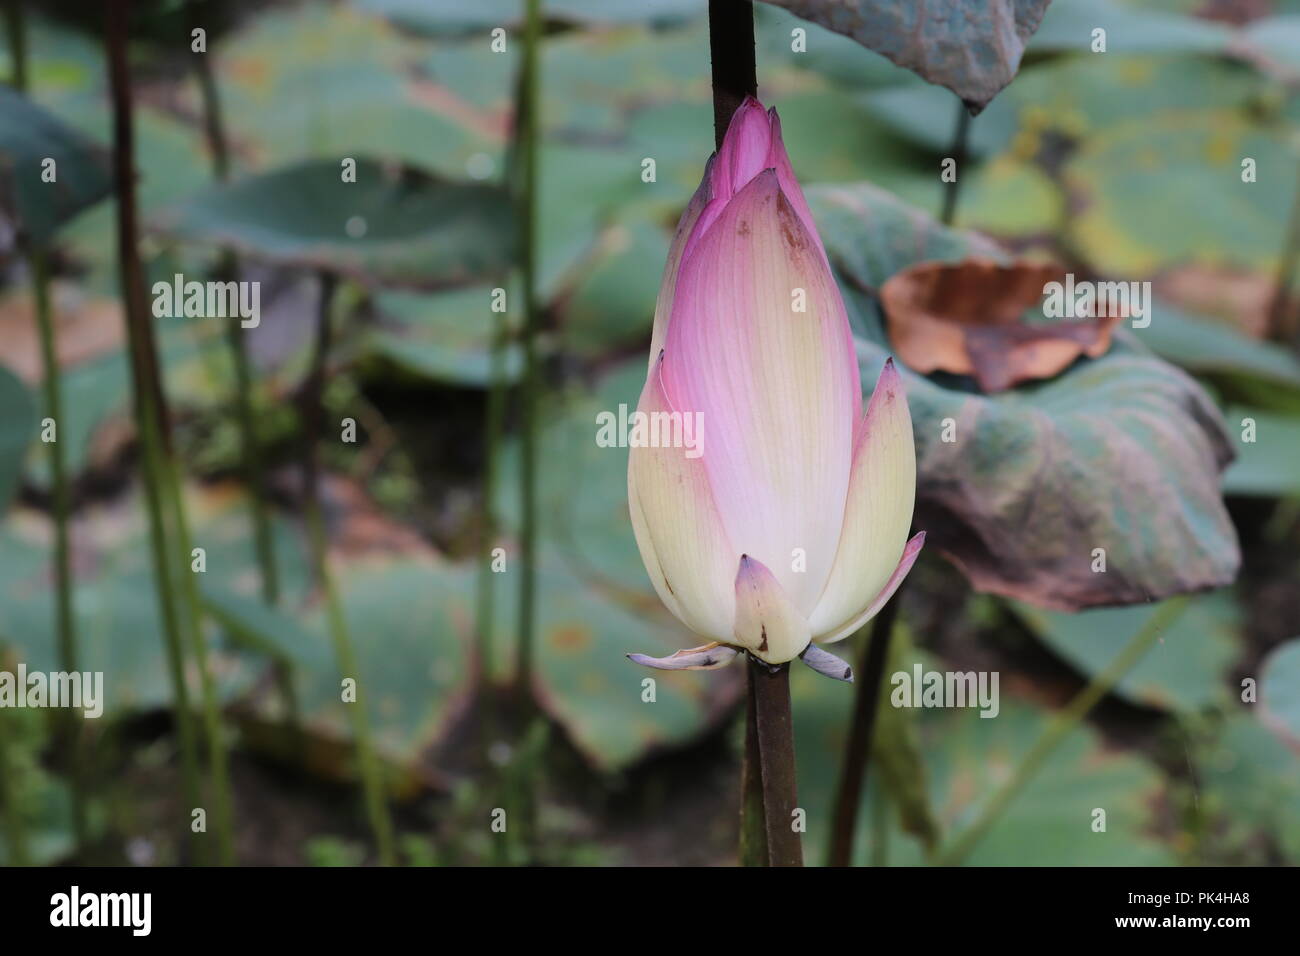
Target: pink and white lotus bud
[(786, 521)]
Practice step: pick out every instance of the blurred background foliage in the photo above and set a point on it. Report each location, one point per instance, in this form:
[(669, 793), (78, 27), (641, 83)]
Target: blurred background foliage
[(1124, 165)]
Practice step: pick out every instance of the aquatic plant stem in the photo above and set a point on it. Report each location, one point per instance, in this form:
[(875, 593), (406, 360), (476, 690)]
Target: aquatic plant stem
[(147, 392), (61, 505), (957, 151), (774, 732), (228, 269), (873, 655), (218, 760), (1060, 726), (60, 496), (527, 121), (368, 766)]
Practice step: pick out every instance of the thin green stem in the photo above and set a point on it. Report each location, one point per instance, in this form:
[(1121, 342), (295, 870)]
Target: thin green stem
[(215, 133), (368, 766), (10, 808), (494, 425), (149, 403), (218, 762), (1060, 726), (66, 623), (873, 651), (527, 205), (16, 28)]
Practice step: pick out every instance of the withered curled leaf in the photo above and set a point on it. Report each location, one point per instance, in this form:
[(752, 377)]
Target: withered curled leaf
[(967, 318)]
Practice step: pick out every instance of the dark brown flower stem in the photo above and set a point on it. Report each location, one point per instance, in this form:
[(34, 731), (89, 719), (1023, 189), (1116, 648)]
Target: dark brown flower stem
[(753, 825), (774, 731), (958, 151), (368, 765), (731, 50), (148, 400), (873, 655)]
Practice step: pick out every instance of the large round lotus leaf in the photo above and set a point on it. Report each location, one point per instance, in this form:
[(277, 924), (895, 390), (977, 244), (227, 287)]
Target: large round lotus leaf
[(585, 681), (114, 599), (1085, 96), (29, 138), (1124, 175), (1243, 369), (1122, 452), (408, 623), (443, 336), (453, 16), (1068, 27), (1267, 464), (1248, 789), (1185, 670), (967, 757), (323, 80), (973, 49), (392, 227), (1279, 703)]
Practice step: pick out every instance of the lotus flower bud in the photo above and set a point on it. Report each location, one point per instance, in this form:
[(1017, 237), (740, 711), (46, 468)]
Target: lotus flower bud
[(787, 522)]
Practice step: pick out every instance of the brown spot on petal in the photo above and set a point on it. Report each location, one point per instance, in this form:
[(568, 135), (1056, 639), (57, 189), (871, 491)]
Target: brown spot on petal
[(763, 645)]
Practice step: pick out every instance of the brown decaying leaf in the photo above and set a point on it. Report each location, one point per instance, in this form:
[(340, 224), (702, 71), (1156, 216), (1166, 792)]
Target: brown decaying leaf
[(966, 318)]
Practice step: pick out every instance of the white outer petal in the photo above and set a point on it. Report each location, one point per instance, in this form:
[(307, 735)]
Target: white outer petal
[(878, 512), (679, 532)]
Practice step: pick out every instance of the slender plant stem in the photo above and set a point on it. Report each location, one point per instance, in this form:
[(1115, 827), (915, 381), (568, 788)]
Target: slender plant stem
[(218, 762), (10, 808), (16, 28), (150, 409), (485, 604), (873, 656), (52, 385), (957, 151), (66, 623), (368, 766), (753, 824), (1060, 726), (527, 206), (731, 51), (880, 827), (215, 133), (775, 733)]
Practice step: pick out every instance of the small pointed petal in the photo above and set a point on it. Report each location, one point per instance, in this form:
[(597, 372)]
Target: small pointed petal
[(707, 657), (678, 529), (910, 554), (777, 388), (779, 160), (767, 623), (878, 511), (826, 663)]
